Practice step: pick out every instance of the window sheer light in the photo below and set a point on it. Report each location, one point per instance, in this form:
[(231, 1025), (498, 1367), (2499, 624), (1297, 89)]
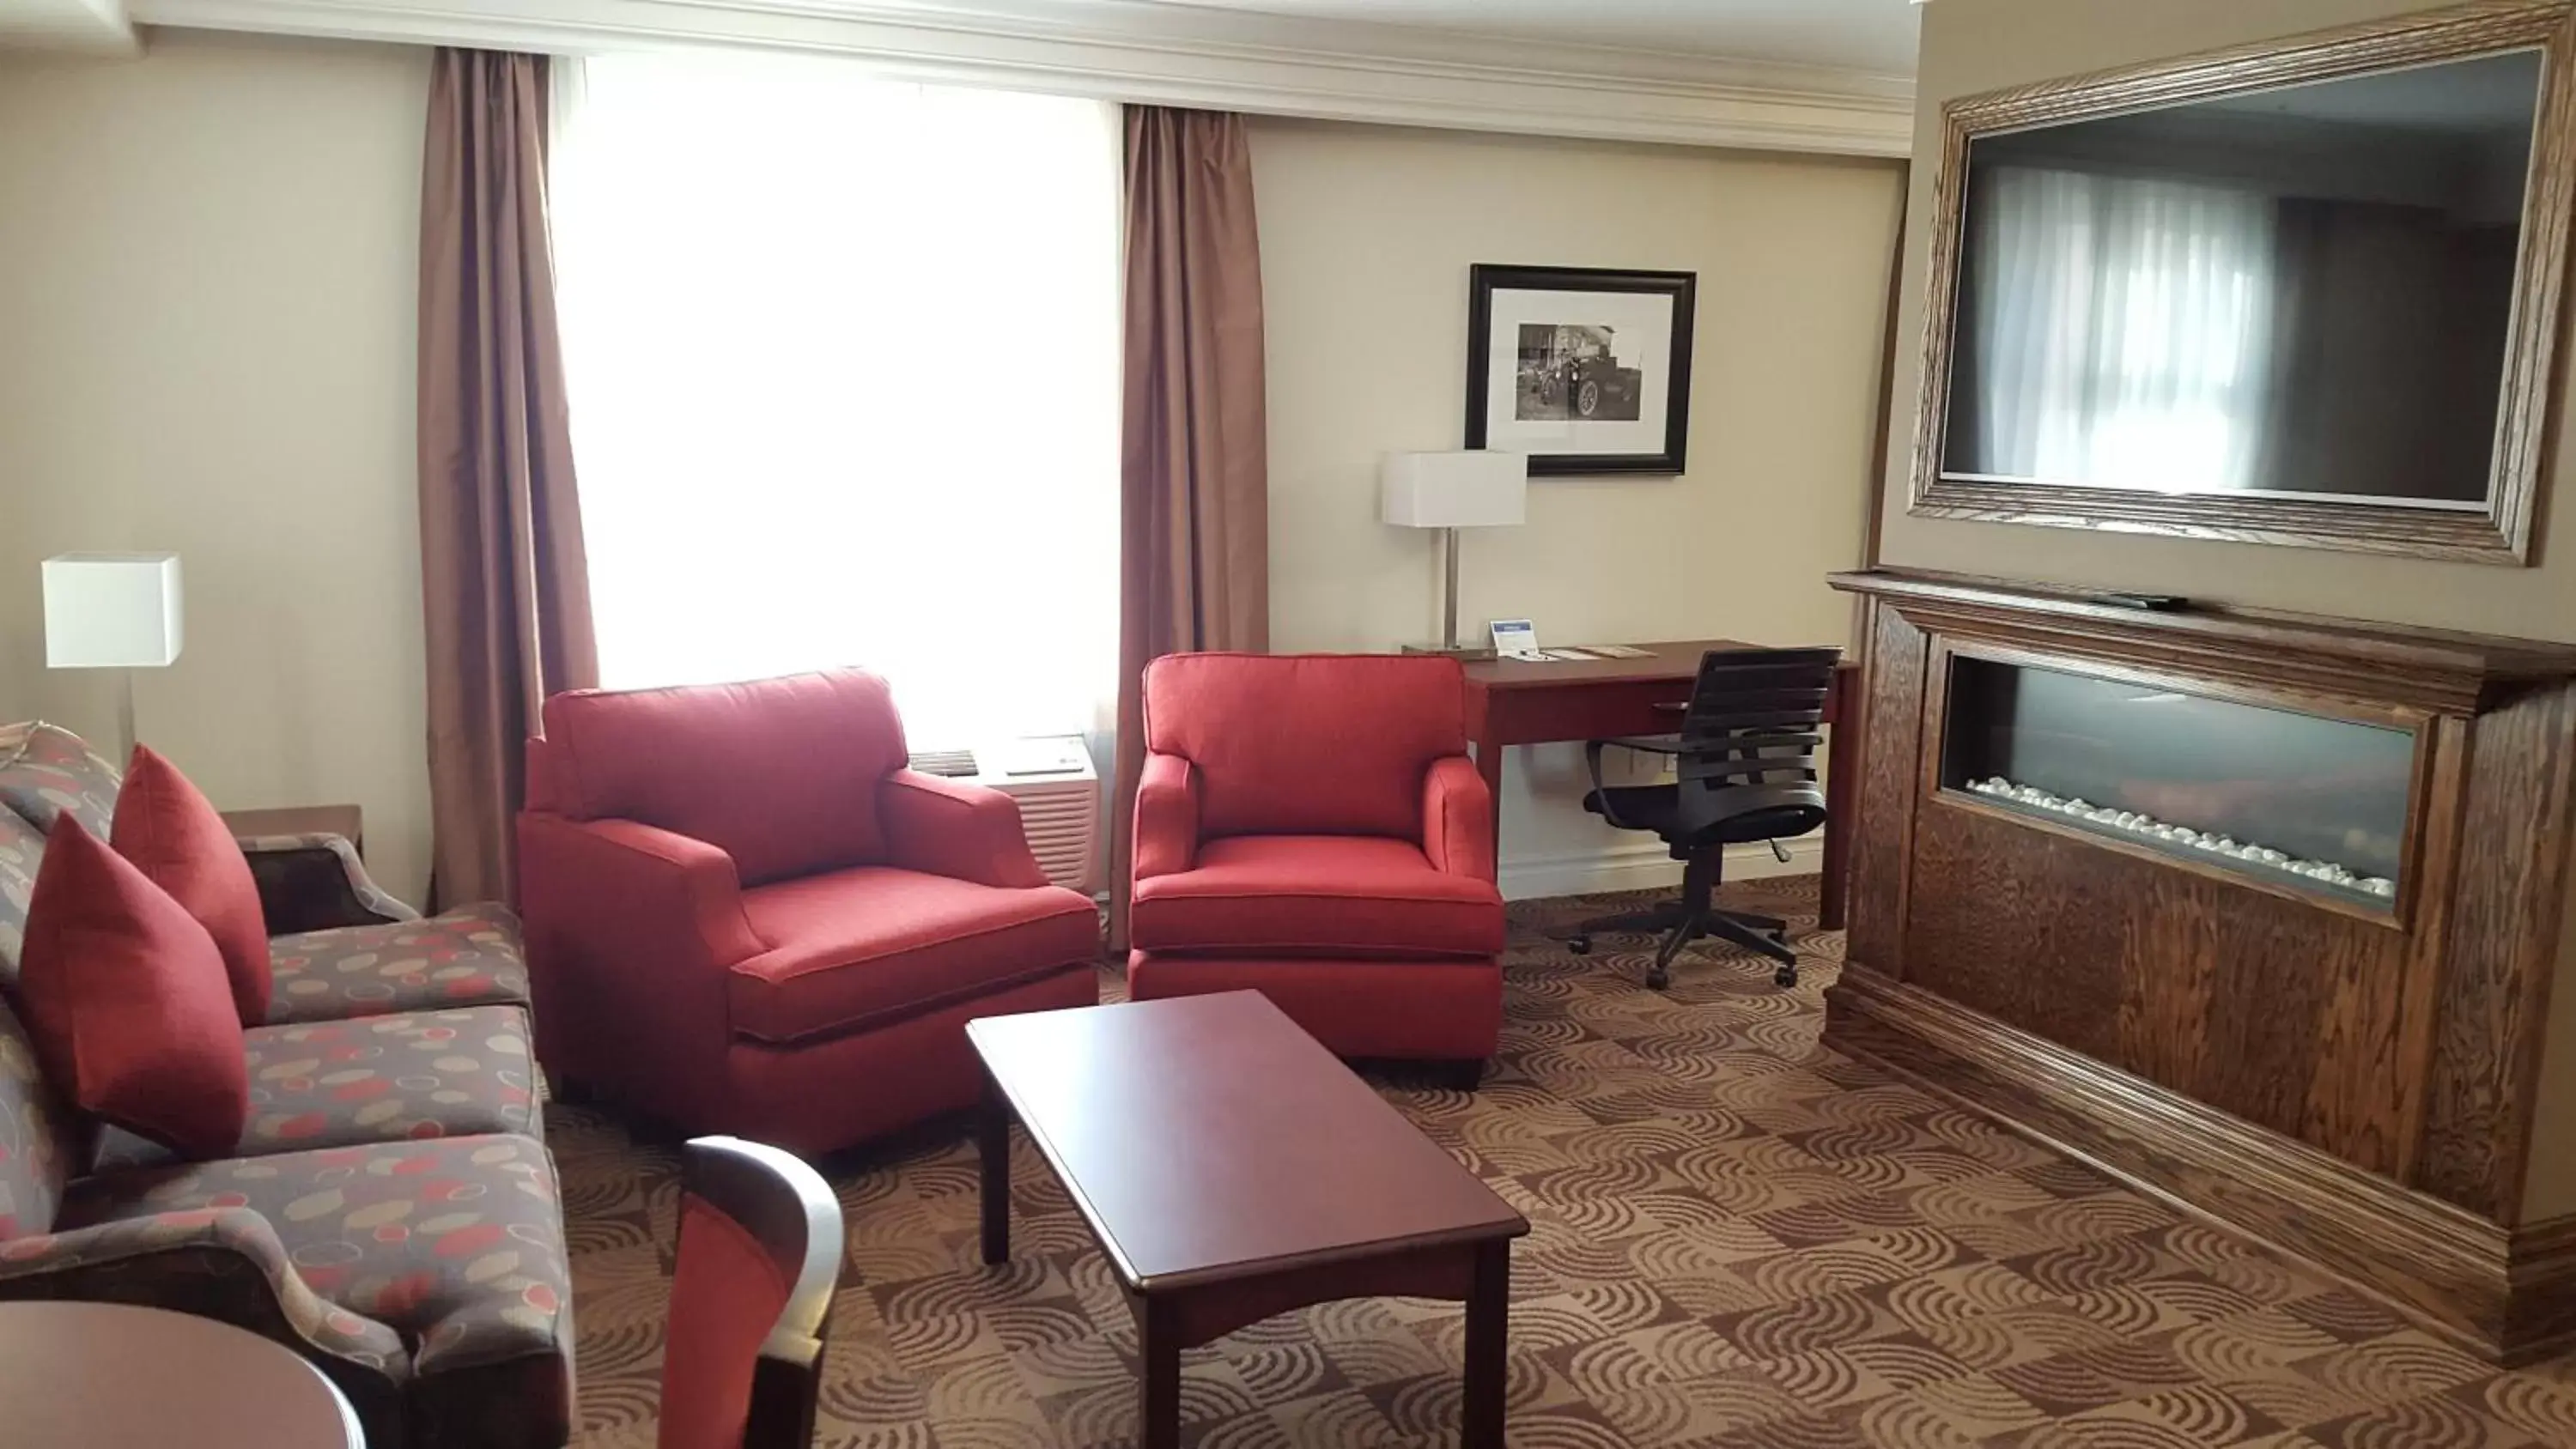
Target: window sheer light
[(2124, 322), (843, 363)]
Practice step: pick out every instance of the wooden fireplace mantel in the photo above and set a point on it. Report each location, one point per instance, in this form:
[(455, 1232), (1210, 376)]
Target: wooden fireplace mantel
[(2435, 668), (2354, 1083)]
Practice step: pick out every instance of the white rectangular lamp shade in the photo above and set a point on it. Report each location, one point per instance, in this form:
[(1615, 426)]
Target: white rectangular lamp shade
[(1454, 490), (112, 610)]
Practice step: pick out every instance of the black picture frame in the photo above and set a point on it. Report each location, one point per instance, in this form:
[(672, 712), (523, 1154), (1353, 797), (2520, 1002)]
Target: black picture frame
[(1484, 279)]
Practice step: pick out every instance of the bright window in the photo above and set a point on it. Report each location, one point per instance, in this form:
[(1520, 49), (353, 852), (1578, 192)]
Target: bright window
[(843, 361)]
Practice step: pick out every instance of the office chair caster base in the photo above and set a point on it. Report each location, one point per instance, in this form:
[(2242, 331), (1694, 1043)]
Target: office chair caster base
[(1785, 976), (1659, 979), (1579, 943)]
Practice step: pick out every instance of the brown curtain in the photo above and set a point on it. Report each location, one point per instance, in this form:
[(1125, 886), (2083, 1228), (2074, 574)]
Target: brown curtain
[(1195, 547), (503, 579)]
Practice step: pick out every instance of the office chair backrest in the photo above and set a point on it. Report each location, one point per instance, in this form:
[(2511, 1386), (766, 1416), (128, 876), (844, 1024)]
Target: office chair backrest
[(751, 1296), (1749, 738)]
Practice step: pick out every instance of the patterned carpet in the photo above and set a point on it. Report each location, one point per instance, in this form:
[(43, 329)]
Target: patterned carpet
[(1738, 1239)]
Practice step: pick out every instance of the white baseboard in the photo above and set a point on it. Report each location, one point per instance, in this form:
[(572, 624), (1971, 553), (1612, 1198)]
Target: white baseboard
[(1646, 868)]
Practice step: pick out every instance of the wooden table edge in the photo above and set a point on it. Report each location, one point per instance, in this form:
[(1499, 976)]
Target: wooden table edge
[(1260, 1268), (995, 1084)]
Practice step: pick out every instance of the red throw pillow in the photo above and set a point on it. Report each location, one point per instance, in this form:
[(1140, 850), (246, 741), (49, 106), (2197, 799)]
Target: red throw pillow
[(127, 1001), (171, 832)]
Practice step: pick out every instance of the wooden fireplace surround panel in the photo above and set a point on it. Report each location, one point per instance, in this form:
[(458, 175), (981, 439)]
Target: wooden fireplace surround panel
[(2350, 1083)]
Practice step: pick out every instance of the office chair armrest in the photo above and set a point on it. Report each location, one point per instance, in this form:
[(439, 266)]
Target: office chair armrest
[(1657, 744), (1601, 790)]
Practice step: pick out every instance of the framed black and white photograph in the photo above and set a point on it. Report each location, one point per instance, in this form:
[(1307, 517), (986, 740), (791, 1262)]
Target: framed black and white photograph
[(1584, 369)]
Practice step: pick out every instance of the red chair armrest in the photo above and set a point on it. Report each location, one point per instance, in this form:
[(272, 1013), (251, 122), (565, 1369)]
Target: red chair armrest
[(1458, 818), (660, 894), (966, 832), (1167, 817)]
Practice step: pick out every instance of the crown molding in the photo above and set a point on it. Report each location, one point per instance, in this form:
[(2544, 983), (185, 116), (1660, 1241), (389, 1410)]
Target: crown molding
[(1140, 51), (89, 27)]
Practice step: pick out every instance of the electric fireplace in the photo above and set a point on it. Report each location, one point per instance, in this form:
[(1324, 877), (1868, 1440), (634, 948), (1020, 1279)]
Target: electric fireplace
[(2263, 911), (2279, 795)]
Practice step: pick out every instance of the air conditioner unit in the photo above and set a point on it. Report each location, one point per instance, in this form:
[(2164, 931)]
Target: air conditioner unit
[(1059, 794)]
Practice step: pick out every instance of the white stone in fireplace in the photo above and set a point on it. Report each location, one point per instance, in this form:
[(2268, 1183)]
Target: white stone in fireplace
[(2147, 827)]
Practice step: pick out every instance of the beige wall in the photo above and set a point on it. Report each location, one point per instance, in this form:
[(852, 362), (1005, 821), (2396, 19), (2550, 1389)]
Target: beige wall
[(206, 344), (1366, 237), (215, 356), (1978, 45)]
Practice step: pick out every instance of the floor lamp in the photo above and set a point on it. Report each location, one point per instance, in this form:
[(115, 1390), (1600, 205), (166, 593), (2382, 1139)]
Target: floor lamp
[(115, 611)]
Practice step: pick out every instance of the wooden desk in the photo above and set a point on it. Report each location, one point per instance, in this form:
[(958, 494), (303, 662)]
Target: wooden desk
[(1513, 703)]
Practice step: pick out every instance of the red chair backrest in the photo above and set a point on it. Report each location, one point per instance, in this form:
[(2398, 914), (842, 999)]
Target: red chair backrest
[(1307, 744), (781, 774), (759, 1255)]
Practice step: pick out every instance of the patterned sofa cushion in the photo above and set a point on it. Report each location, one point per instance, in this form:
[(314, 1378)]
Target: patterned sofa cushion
[(46, 770), (36, 1151), (379, 1079), (20, 849), (456, 1244), (469, 956)]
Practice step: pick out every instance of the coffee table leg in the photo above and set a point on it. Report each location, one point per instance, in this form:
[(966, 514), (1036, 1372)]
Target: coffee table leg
[(1159, 1407), (993, 1150), (1489, 1307)]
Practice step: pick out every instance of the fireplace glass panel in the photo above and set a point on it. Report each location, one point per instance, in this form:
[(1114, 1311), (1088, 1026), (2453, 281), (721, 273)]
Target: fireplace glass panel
[(2273, 793)]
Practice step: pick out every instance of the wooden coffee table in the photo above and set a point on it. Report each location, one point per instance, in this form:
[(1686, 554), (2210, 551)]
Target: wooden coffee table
[(1231, 1168)]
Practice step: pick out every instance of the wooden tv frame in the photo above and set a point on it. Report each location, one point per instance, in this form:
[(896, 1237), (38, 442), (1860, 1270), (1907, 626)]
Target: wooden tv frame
[(2354, 1086)]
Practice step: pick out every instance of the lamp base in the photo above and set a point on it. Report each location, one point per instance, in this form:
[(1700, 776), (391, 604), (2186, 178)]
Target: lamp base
[(1463, 653)]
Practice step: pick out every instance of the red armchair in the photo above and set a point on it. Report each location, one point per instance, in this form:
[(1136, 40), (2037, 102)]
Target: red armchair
[(745, 915), (1311, 826)]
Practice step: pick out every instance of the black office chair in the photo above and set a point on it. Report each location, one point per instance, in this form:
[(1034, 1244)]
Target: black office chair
[(1745, 770)]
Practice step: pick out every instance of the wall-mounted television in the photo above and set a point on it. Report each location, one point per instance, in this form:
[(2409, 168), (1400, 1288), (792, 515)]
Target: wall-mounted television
[(2244, 300)]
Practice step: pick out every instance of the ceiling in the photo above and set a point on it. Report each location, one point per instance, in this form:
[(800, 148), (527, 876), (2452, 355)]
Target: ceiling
[(1864, 35)]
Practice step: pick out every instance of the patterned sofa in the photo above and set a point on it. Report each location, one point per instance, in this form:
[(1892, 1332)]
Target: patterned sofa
[(390, 1213)]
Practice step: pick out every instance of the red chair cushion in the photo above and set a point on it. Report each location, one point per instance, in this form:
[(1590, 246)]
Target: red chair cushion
[(727, 1292), (855, 947), (1307, 744), (1321, 894), (126, 999), (171, 833), (780, 774)]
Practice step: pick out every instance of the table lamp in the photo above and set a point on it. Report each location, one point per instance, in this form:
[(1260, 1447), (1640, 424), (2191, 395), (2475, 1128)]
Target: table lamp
[(1451, 491), (115, 611)]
